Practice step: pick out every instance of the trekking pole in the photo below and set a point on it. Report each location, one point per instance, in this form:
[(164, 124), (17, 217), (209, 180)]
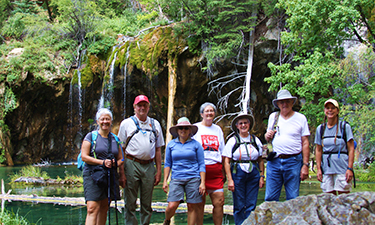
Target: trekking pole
[(115, 187), (109, 195)]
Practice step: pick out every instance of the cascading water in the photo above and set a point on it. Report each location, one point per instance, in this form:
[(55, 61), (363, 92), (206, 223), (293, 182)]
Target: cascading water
[(107, 90), (76, 99), (125, 70)]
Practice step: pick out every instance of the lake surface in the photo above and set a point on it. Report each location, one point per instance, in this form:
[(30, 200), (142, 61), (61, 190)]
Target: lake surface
[(50, 214)]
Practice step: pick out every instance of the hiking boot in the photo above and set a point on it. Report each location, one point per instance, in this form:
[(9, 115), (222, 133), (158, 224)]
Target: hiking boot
[(166, 222)]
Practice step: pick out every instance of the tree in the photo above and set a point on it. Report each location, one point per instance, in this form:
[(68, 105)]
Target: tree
[(318, 67)]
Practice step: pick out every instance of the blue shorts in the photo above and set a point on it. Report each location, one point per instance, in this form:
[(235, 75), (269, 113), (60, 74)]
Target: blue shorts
[(177, 189)]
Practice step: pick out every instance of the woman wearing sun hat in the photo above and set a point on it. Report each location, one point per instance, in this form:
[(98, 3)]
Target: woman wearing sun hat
[(244, 166), (186, 159), (334, 151)]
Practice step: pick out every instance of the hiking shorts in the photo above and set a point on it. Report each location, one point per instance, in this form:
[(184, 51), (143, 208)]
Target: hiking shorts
[(177, 189), (335, 182), (214, 177)]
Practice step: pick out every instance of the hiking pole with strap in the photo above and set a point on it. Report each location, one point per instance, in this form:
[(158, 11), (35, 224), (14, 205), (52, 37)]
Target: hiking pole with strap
[(109, 176)]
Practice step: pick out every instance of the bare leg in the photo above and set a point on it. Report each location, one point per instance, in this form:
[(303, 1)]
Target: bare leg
[(217, 199), (193, 212), (201, 210), (97, 212), (171, 209)]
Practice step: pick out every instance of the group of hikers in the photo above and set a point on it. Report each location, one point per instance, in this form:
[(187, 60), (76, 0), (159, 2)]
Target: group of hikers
[(198, 161)]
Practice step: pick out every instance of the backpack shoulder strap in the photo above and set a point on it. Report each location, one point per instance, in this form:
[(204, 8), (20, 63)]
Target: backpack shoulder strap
[(253, 142), (94, 136), (322, 129), (237, 144), (343, 130), (153, 127), (276, 120), (119, 145)]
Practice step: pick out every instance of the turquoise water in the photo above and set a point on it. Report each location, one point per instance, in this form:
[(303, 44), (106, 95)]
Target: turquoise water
[(49, 214)]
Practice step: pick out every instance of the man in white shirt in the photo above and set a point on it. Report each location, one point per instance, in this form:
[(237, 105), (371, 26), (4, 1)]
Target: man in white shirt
[(290, 145), (143, 140)]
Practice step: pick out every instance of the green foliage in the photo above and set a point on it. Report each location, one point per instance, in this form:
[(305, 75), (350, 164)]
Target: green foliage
[(314, 40), (11, 218), (14, 26), (367, 175), (30, 171), (5, 10)]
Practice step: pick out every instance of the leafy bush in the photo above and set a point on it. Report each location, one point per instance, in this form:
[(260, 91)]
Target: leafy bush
[(30, 171), (14, 26), (367, 175)]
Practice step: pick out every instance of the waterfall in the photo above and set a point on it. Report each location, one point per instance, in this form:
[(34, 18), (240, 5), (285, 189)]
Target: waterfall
[(125, 70), (76, 100), (107, 90)]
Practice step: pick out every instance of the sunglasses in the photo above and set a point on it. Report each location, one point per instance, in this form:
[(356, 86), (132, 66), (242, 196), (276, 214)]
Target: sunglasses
[(183, 128)]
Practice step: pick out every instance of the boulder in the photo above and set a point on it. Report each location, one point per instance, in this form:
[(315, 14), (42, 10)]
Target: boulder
[(353, 208)]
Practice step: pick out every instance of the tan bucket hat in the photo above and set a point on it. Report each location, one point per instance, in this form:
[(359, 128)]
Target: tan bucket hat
[(183, 122), (242, 116)]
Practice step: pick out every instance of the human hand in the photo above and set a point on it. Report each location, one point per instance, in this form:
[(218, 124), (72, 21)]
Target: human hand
[(349, 175), (319, 175), (230, 185), (261, 182), (122, 180), (269, 135), (165, 186), (304, 174), (202, 188), (157, 178)]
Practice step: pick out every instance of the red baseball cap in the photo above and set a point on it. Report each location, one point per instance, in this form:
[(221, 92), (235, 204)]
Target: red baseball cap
[(141, 98)]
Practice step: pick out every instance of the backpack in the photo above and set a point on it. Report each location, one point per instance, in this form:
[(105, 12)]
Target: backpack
[(342, 126), (94, 136), (238, 142)]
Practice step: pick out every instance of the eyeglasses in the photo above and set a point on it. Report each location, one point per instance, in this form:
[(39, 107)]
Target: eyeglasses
[(183, 128)]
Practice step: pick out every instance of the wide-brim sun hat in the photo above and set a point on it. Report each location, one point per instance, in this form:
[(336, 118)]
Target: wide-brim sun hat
[(183, 122), (242, 116), (334, 102), (283, 95)]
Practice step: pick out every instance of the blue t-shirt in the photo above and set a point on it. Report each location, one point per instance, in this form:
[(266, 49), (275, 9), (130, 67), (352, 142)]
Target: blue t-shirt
[(186, 160), (101, 149), (338, 164)]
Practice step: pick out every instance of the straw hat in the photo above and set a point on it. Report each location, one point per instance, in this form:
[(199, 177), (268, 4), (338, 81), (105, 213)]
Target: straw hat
[(242, 116), (282, 95), (334, 102), (183, 122)]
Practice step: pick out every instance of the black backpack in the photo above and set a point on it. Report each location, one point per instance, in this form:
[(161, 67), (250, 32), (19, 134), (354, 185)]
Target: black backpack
[(238, 142)]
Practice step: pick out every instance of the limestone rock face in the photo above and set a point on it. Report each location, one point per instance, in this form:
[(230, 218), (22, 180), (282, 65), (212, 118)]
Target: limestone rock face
[(354, 208)]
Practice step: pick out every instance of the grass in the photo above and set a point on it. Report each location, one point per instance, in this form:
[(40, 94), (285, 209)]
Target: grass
[(11, 218)]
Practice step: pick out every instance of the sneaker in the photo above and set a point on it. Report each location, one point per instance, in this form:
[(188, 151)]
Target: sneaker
[(166, 222)]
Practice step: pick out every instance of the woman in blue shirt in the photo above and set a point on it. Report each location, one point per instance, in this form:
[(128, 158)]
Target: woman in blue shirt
[(186, 159), (334, 152)]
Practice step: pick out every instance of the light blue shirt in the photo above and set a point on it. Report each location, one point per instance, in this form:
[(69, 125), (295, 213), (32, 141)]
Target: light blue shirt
[(186, 160)]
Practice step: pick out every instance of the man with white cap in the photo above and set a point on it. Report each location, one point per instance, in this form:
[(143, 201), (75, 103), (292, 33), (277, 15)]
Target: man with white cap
[(143, 139), (290, 144)]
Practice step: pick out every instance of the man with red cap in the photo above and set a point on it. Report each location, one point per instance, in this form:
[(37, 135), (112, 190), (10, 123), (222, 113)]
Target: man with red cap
[(143, 139)]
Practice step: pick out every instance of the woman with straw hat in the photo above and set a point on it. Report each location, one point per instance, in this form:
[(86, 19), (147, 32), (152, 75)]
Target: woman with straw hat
[(186, 159), (244, 166), (334, 151)]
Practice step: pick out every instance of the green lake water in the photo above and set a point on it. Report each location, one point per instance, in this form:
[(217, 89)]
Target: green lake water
[(50, 214)]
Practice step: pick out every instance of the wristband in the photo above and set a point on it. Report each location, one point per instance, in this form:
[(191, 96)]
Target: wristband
[(306, 164), (351, 169), (262, 176)]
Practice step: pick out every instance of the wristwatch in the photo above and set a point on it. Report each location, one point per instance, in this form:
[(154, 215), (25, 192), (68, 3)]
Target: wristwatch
[(306, 164)]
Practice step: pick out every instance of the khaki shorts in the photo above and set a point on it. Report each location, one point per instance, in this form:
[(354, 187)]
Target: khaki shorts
[(335, 182)]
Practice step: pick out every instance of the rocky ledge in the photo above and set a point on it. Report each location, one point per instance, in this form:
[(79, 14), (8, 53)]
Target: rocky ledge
[(353, 208)]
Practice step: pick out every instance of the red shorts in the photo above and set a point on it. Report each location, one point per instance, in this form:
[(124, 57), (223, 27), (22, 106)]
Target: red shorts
[(214, 176)]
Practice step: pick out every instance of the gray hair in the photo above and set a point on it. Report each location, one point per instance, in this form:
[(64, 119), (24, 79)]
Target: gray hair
[(204, 105), (102, 111)]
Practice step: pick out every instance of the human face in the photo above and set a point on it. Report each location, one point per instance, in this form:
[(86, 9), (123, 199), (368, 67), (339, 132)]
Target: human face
[(285, 105), (331, 111), (208, 114), (105, 122), (243, 126), (183, 132), (141, 110)]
